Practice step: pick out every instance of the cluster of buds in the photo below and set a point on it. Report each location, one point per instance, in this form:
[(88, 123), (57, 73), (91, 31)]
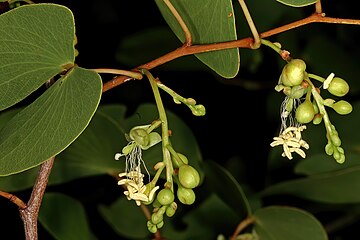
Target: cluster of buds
[(303, 104)]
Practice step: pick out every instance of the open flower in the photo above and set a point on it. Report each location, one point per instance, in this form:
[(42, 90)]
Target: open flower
[(291, 141), (136, 190)]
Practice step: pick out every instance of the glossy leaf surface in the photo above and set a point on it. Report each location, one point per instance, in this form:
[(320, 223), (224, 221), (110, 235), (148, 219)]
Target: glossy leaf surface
[(64, 217), (297, 3), (36, 44), (284, 223), (227, 188), (53, 121), (209, 21), (342, 186)]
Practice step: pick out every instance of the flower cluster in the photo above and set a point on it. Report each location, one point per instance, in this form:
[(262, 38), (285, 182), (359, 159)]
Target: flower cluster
[(136, 189), (292, 141)]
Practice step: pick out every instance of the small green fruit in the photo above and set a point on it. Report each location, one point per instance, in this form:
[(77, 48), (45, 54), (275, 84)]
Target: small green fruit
[(188, 176), (293, 73), (165, 196), (342, 107), (305, 112), (186, 195), (338, 87)]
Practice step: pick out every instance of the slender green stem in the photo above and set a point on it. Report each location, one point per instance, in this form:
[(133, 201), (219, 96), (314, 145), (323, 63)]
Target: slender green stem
[(164, 127), (316, 77), (155, 124), (257, 43), (175, 155), (157, 175), (275, 47)]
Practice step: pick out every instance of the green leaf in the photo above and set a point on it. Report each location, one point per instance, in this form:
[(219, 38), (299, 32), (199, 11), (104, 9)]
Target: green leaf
[(92, 153), (203, 221), (36, 44), (126, 218), (64, 218), (342, 186), (53, 121), (297, 3), (320, 163), (284, 223), (226, 187), (209, 21)]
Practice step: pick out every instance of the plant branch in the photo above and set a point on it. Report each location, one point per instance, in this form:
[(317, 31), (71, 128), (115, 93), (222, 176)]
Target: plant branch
[(13, 199), (242, 43), (188, 37), (29, 215), (242, 225), (318, 7)]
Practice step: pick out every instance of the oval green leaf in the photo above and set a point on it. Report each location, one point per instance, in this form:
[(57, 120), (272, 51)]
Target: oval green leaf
[(53, 121), (226, 187), (36, 43), (64, 218), (341, 186), (297, 3), (209, 21), (126, 219), (284, 223)]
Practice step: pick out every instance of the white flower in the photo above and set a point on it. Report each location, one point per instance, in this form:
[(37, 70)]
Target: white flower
[(291, 141), (136, 190)]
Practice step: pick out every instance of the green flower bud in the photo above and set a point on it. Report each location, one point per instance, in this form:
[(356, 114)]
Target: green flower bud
[(160, 225), (293, 73), (151, 227), (317, 119), (342, 107), (305, 112), (297, 92), (329, 149), (140, 136), (188, 176), (156, 218), (186, 195), (171, 209), (335, 140), (165, 196), (338, 87)]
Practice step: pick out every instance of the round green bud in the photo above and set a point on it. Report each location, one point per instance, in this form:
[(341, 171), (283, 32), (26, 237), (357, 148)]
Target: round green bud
[(171, 209), (156, 218), (186, 195), (293, 73), (305, 112), (335, 140), (188, 176), (151, 227), (165, 196), (342, 107), (160, 225), (338, 87), (297, 92), (140, 136), (317, 119)]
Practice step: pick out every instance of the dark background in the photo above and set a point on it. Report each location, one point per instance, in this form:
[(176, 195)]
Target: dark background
[(239, 122)]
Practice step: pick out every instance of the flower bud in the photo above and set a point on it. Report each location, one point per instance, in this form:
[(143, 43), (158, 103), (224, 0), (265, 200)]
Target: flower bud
[(188, 176), (156, 218), (171, 209), (186, 195), (305, 112), (338, 87), (293, 73), (140, 136), (342, 107), (165, 196)]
